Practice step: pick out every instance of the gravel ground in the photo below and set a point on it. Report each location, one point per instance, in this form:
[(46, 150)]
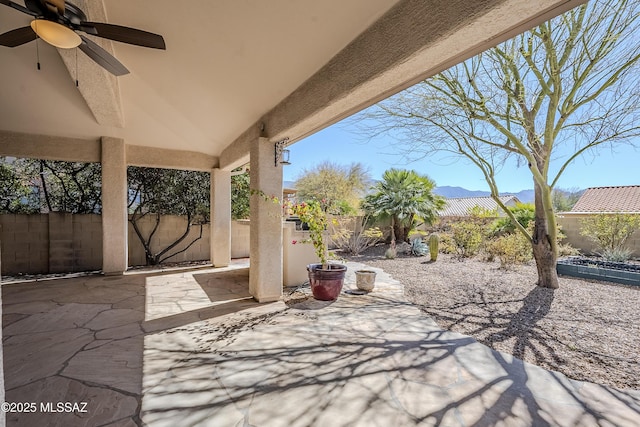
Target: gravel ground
[(589, 331)]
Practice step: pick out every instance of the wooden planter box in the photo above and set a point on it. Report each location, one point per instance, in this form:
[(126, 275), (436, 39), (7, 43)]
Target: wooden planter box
[(626, 274)]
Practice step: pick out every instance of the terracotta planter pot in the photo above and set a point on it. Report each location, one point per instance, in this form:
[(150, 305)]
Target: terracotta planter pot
[(326, 284)]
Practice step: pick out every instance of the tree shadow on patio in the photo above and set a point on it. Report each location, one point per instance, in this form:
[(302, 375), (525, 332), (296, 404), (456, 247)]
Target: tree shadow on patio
[(83, 339), (379, 363)]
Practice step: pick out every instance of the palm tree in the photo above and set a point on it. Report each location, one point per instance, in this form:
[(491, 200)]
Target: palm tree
[(405, 197)]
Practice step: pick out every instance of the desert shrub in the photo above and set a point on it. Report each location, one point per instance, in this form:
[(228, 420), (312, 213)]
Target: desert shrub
[(467, 237), (616, 255), (447, 245), (391, 253), (511, 249), (482, 215), (610, 232), (415, 234), (352, 235), (565, 249)]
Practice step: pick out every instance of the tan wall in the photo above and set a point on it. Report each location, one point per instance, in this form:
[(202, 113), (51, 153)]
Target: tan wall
[(296, 256), (74, 243), (87, 241), (25, 243), (171, 228), (44, 243), (571, 228), (240, 238)]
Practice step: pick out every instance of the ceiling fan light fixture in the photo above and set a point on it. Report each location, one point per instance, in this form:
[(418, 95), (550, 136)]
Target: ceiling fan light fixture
[(56, 34)]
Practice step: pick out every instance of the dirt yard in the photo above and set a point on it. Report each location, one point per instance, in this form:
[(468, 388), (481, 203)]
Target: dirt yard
[(589, 331)]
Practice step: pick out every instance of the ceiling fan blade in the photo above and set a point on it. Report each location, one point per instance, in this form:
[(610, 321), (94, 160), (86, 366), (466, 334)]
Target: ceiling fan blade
[(17, 37), (34, 6), (54, 6), (19, 7), (102, 57), (124, 34)]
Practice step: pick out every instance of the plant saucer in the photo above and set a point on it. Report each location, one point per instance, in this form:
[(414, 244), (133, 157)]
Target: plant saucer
[(355, 292)]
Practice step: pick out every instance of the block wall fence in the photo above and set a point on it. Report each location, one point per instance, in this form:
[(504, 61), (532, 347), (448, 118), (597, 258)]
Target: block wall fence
[(62, 242), (571, 225)]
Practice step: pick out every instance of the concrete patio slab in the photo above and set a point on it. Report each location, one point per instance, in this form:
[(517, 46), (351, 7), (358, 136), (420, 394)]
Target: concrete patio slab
[(192, 348)]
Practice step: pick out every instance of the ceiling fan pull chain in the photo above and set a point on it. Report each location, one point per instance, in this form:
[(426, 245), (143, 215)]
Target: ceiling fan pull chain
[(37, 51), (76, 67)]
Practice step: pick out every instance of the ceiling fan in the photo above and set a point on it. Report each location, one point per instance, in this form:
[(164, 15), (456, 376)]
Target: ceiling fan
[(57, 22)]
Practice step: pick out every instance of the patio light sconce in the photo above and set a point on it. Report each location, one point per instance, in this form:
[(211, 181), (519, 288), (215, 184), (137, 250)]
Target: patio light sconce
[(281, 153)]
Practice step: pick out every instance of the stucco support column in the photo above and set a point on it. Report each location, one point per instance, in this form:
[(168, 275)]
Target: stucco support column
[(114, 206), (265, 273), (220, 218), (2, 392)]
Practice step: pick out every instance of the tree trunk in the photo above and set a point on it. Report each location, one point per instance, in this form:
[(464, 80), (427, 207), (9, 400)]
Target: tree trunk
[(400, 231), (543, 252), (393, 231)]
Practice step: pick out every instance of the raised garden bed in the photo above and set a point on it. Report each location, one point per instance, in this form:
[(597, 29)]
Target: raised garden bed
[(585, 268)]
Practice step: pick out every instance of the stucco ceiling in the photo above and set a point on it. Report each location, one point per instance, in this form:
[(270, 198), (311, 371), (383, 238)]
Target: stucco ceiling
[(238, 69), (227, 63)]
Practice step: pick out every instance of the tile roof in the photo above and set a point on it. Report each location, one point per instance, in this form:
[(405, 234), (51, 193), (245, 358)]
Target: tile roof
[(460, 206), (609, 199)]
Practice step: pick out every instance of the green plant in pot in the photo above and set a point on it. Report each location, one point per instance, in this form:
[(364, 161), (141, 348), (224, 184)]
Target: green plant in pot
[(326, 279)]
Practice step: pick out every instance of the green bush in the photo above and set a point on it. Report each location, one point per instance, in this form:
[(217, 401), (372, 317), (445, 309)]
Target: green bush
[(447, 245), (610, 231), (524, 213), (467, 237), (511, 249), (565, 249)]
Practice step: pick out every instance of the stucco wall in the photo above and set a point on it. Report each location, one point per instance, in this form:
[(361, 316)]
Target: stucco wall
[(171, 228), (296, 256), (44, 243), (571, 228), (240, 238)]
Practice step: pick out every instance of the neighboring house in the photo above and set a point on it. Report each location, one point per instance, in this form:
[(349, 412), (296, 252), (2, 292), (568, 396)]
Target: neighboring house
[(625, 199), (459, 207), (289, 193), (600, 200)]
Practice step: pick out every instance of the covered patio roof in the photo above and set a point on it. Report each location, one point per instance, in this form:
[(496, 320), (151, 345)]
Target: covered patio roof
[(236, 79), (234, 71)]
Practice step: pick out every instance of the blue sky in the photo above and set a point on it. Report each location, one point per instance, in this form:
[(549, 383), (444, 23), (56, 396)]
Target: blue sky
[(342, 144)]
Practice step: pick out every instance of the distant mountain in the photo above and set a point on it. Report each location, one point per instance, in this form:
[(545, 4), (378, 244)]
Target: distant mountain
[(457, 192), (525, 196)]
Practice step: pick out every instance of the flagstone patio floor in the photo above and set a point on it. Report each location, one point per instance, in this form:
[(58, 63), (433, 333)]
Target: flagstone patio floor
[(191, 347)]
